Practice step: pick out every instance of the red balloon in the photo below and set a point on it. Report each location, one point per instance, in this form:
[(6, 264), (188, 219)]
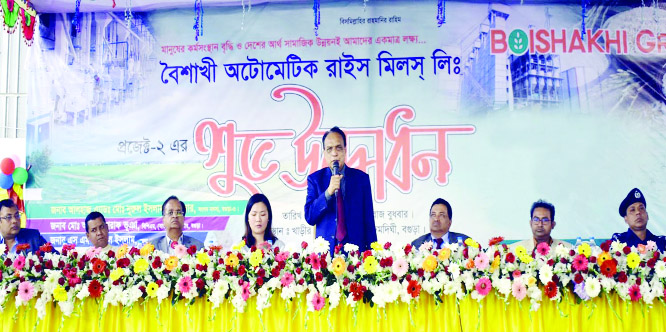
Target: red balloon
[(7, 166)]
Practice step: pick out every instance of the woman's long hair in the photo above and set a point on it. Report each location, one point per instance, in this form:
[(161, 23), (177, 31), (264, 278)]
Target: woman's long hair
[(268, 234)]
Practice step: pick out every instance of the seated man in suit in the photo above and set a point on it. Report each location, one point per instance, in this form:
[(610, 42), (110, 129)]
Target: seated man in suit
[(173, 218), (97, 231), (11, 233), (633, 210), (441, 217), (542, 222)]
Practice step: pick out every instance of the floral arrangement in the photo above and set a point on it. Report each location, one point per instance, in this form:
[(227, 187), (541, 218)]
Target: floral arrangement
[(385, 274)]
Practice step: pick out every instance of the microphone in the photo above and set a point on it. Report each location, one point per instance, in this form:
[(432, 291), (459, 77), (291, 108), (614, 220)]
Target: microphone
[(336, 171)]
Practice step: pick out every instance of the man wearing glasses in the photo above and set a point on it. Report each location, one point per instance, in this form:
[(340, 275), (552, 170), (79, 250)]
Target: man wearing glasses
[(542, 222), (12, 235), (173, 219)]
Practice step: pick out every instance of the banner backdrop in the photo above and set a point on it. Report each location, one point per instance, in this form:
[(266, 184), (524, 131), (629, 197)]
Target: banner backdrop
[(498, 107)]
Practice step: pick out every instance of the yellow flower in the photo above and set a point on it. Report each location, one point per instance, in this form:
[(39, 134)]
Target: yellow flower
[(520, 251), (116, 274), (585, 249), (231, 260), (122, 251), (376, 246), (471, 243), (495, 265), (171, 263), (140, 265), (255, 258), (60, 294), (525, 258), (633, 260), (151, 289), (370, 264), (239, 246), (203, 258), (531, 281), (147, 249), (604, 256), (339, 266), (430, 263), (444, 254)]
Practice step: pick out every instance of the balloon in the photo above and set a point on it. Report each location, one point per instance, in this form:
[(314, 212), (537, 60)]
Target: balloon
[(7, 166), (6, 181), (20, 175), (18, 189), (17, 160)]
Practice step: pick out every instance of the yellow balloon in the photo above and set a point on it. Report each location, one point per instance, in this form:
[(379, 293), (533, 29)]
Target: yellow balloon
[(23, 220), (18, 189), (3, 194)]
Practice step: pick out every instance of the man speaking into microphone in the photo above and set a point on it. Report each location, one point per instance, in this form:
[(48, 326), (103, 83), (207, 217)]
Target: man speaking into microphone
[(339, 200)]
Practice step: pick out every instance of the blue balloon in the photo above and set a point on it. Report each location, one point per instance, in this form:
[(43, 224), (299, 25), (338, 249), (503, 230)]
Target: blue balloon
[(6, 181)]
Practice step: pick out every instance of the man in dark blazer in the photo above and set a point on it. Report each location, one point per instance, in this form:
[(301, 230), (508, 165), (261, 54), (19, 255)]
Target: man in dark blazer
[(440, 222), (11, 233), (173, 219), (340, 205)]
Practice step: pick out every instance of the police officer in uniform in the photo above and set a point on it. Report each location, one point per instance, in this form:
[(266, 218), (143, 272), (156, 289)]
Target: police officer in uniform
[(633, 210)]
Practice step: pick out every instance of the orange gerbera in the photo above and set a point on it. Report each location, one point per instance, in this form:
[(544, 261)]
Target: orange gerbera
[(171, 263), (430, 263), (339, 266), (444, 254)]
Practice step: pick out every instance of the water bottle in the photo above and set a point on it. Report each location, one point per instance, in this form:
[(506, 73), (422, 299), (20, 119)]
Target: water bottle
[(460, 241), (579, 241), (593, 242)]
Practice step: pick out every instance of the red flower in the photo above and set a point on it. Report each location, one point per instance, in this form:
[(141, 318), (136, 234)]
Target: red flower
[(260, 281), (551, 289), (495, 240), (192, 250), (578, 278), (22, 247), (626, 250), (98, 265), (414, 289), (46, 247), (580, 263), (366, 254), (185, 268), (241, 270), (635, 293), (95, 289), (304, 244), (157, 263), (408, 248), (387, 245), (622, 277), (609, 268), (134, 251), (216, 275), (123, 262), (200, 283), (510, 258)]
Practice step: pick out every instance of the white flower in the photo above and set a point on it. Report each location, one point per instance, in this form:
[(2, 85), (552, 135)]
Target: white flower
[(238, 303), (162, 293), (349, 247), (660, 269), (502, 285), (66, 307), (287, 293), (592, 287), (425, 247), (534, 293), (607, 284), (113, 296), (561, 251), (40, 306), (263, 298), (333, 292), (468, 279), (617, 246), (546, 274), (454, 269), (646, 292), (83, 293), (320, 245)]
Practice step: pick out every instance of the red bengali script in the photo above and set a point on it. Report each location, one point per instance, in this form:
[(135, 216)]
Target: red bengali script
[(395, 162)]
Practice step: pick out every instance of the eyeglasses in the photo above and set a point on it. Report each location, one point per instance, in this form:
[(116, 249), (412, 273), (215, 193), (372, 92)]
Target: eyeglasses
[(16, 216), (542, 221), (172, 213), (338, 148)]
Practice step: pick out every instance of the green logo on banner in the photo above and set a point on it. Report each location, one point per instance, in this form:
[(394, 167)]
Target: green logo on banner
[(518, 42)]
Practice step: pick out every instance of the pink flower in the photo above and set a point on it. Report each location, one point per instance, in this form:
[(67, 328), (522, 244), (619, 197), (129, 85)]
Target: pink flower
[(318, 302), (180, 250), (481, 261), (287, 279), (483, 286), (314, 261), (245, 294), (580, 263), (282, 256), (543, 248), (516, 274), (26, 291), (92, 252), (19, 263), (185, 284), (518, 290), (635, 293), (400, 267), (651, 246)]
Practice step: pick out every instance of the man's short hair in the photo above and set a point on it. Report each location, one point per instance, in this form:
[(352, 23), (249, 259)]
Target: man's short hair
[(176, 198), (338, 131), (543, 204), (7, 203), (94, 215), (448, 206)]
